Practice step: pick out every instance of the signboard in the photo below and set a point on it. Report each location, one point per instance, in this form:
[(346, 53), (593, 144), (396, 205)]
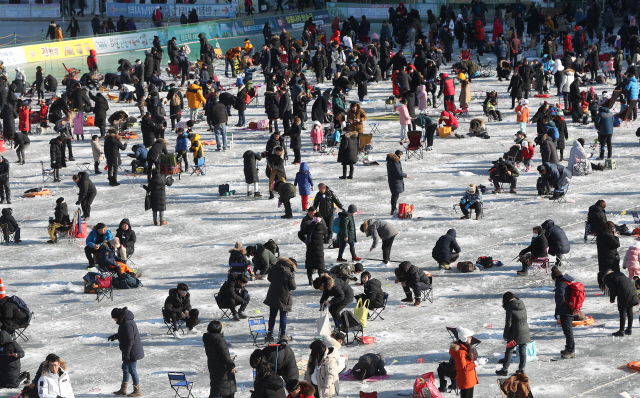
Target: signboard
[(58, 50), (12, 56), (377, 11), (27, 11), (45, 10), (126, 42), (132, 10)]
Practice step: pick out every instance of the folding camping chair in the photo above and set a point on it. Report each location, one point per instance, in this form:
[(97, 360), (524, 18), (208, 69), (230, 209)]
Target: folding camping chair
[(427, 294), (414, 147), (47, 174), (349, 324), (636, 218), (167, 322), (177, 380), (587, 233), (20, 332), (7, 235), (257, 328), (226, 312), (559, 195), (377, 312), (104, 289), (199, 167), (540, 264)]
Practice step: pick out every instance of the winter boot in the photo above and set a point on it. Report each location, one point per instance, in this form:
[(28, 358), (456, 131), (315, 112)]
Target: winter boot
[(408, 299), (417, 302), (269, 338), (443, 386), (444, 266), (257, 195), (497, 190), (513, 191), (136, 392), (285, 337), (524, 271), (627, 331), (478, 216), (122, 390), (502, 372), (271, 196), (568, 355)]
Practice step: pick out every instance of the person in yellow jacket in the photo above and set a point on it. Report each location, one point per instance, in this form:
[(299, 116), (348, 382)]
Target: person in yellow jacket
[(248, 47), (196, 148), (57, 34), (196, 100)]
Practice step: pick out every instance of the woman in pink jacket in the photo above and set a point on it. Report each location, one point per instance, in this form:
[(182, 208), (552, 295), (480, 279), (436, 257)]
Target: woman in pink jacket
[(405, 120), (631, 260), (422, 98)]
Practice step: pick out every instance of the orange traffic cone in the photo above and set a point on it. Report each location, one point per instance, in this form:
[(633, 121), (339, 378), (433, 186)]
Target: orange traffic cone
[(2, 292)]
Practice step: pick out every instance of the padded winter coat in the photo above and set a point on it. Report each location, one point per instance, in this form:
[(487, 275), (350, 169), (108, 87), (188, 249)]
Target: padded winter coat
[(271, 105), (129, 338), (283, 282), (597, 218), (412, 274), (220, 365), (578, 154), (604, 121), (465, 368), (516, 326), (445, 246), (622, 289), (303, 180), (195, 97), (347, 228), (556, 174), (631, 258), (284, 357), (395, 175), (380, 230), (9, 365), (336, 288), (567, 79), (157, 189), (538, 246), (175, 303), (562, 295), (348, 151), (324, 203), (328, 374), (315, 233), (87, 189), (369, 365), (548, 151), (608, 257), (403, 111), (128, 237), (422, 98), (112, 147), (357, 114), (250, 168), (55, 385), (374, 293), (556, 238)]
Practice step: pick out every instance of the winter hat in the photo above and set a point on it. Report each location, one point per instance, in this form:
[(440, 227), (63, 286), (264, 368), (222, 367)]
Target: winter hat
[(238, 246), (464, 333), (525, 102), (59, 200), (352, 209), (115, 242), (117, 312), (398, 153), (471, 188)]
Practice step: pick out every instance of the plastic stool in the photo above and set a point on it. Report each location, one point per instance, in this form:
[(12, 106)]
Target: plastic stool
[(610, 164)]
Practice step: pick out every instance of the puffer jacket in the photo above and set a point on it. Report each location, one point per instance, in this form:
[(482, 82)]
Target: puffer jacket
[(282, 283), (538, 246), (567, 78), (621, 288), (578, 154), (465, 368), (303, 180), (328, 374), (369, 365), (55, 385), (9, 365), (379, 230), (631, 258), (556, 238), (412, 274), (336, 288), (395, 175), (422, 97), (195, 97), (445, 247), (128, 237), (129, 338), (556, 174), (516, 326)]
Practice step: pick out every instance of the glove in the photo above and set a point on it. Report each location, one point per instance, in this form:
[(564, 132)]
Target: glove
[(78, 202), (245, 294), (113, 337)]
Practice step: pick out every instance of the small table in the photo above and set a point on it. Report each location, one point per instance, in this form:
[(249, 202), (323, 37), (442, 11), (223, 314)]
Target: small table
[(84, 166), (374, 128), (133, 179)]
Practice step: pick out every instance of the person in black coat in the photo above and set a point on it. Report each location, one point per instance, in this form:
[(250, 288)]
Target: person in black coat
[(10, 361), (395, 176), (100, 112), (372, 291), (267, 384), (446, 250), (385, 59), (515, 87), (157, 192), (221, 367), (348, 153), (56, 153), (233, 294), (557, 240), (251, 172), (320, 108), (369, 365), (176, 104), (50, 84), (295, 133), (112, 147), (177, 306), (87, 193), (8, 114), (148, 128), (324, 204), (314, 236), (285, 108), (272, 109), (158, 148), (12, 224), (527, 73), (130, 345), (127, 238), (622, 288), (279, 298), (59, 109), (11, 316), (241, 105), (281, 355), (148, 65), (537, 249), (597, 217), (398, 62), (413, 279), (608, 242), (338, 289)]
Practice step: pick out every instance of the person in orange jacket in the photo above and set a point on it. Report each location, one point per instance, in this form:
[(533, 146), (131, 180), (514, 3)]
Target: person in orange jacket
[(466, 362), (231, 54), (522, 110)]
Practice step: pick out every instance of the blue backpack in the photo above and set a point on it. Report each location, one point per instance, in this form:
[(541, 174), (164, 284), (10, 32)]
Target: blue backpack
[(552, 132), (20, 304), (335, 226)]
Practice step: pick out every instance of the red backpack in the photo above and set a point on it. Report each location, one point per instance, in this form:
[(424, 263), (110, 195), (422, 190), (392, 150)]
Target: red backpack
[(576, 299)]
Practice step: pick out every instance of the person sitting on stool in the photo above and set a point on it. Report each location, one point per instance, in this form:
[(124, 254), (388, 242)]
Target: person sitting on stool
[(412, 278), (98, 235), (178, 306), (12, 224), (232, 294)]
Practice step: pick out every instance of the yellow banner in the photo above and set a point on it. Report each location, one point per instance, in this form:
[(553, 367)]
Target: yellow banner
[(58, 50)]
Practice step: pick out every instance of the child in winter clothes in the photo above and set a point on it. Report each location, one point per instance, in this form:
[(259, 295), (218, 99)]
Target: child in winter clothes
[(631, 260), (316, 136), (422, 98), (78, 125), (405, 120), (182, 146), (44, 114), (491, 109), (304, 182), (300, 389), (522, 111), (24, 122), (97, 153), (528, 150)]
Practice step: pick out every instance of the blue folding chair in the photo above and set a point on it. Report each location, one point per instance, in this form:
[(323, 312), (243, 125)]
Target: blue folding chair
[(178, 380), (258, 328), (199, 166), (559, 195)]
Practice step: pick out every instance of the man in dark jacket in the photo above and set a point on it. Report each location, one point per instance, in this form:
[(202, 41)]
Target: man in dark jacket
[(112, 147), (372, 291), (177, 306), (217, 118), (504, 172), (127, 238), (537, 249), (5, 191), (12, 224), (280, 355), (148, 129), (158, 148), (396, 177), (446, 250), (130, 345), (233, 293), (369, 365), (323, 203), (286, 192), (555, 175), (10, 361), (557, 240), (621, 288), (338, 289), (87, 193), (347, 234), (414, 280), (562, 296), (221, 367), (11, 316), (604, 125), (608, 242)]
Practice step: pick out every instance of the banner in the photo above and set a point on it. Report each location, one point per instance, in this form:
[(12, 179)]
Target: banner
[(58, 50), (131, 10), (296, 21), (45, 10), (12, 56), (126, 42), (377, 11), (27, 11)]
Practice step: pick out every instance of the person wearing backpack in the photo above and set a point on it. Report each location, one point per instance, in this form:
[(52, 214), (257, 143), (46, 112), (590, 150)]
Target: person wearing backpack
[(14, 314), (563, 296)]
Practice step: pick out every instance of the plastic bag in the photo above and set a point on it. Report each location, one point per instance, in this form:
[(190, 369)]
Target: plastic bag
[(323, 324)]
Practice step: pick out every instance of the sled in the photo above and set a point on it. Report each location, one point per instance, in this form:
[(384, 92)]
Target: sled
[(586, 322), (113, 97), (633, 367), (128, 135), (42, 192), (209, 142)]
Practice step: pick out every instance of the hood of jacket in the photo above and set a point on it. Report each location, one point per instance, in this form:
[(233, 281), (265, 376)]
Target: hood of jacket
[(604, 109), (92, 53), (126, 316), (452, 233), (391, 157), (6, 212), (5, 337), (516, 305), (196, 137), (125, 221), (304, 168), (547, 224), (405, 265), (287, 262)]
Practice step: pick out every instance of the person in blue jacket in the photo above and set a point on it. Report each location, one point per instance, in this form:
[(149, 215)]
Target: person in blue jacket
[(472, 199), (562, 296), (304, 182), (557, 240), (604, 125), (182, 146), (97, 237), (556, 175), (632, 89), (446, 250), (140, 157), (396, 177)]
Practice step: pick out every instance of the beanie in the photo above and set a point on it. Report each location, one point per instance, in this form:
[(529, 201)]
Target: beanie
[(352, 209), (464, 333), (59, 200), (117, 312)]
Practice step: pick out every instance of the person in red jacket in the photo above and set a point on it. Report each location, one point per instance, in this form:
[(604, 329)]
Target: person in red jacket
[(447, 87), (567, 45), (300, 389), (92, 61), (24, 124), (480, 37), (449, 120), (44, 113)]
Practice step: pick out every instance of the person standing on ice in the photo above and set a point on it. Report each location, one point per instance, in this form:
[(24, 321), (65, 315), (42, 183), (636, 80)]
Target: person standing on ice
[(395, 177), (466, 362), (221, 367), (131, 348), (562, 296), (516, 332)]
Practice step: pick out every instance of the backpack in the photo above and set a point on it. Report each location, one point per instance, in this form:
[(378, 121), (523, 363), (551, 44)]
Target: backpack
[(576, 299), (543, 190), (485, 261), (20, 304), (272, 246), (552, 132), (91, 282), (335, 226), (465, 266), (175, 100)]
